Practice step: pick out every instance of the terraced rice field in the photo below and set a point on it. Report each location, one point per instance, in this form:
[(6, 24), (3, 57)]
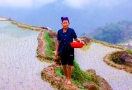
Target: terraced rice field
[(19, 67), (93, 59)]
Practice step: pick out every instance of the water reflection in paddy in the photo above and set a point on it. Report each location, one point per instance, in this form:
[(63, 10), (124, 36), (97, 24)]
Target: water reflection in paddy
[(19, 67)]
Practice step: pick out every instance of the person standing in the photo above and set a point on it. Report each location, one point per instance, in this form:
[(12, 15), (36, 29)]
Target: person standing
[(63, 48)]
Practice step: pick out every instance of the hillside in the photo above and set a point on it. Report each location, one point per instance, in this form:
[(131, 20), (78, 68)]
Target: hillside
[(21, 69), (93, 59), (114, 33)]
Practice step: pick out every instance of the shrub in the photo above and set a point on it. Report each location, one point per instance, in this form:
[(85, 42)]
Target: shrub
[(116, 57)]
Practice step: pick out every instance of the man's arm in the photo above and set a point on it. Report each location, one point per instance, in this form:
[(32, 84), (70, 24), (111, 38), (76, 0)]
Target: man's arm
[(75, 36), (58, 43), (57, 47)]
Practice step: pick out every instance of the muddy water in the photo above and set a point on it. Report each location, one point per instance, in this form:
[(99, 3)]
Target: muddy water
[(19, 67)]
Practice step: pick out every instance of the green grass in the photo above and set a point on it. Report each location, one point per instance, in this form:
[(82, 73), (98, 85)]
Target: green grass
[(50, 44), (59, 71), (129, 51), (86, 47), (109, 44), (96, 41), (78, 76)]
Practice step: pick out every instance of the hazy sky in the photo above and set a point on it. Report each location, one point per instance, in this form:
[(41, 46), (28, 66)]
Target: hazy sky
[(70, 3), (84, 15)]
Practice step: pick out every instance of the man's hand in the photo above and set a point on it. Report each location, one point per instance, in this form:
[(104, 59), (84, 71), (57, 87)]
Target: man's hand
[(79, 40)]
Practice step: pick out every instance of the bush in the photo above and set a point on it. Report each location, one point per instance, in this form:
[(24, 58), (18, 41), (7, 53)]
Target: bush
[(116, 57)]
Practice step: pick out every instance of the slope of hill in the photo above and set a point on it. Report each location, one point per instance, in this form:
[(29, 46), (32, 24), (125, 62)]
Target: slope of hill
[(114, 32), (92, 58)]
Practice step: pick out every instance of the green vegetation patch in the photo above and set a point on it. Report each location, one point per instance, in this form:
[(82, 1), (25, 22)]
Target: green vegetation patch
[(79, 76), (129, 51), (50, 44), (117, 57), (85, 47)]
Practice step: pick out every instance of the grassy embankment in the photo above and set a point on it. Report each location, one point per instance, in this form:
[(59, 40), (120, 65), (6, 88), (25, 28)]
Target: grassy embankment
[(109, 44), (79, 76), (26, 26), (49, 48), (50, 45)]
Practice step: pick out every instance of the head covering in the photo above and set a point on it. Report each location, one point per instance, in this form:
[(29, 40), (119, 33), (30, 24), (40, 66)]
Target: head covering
[(64, 18)]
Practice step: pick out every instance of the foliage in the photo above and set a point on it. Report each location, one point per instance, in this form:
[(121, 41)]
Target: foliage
[(129, 51), (59, 71), (50, 44), (116, 57), (78, 76), (82, 76), (114, 32)]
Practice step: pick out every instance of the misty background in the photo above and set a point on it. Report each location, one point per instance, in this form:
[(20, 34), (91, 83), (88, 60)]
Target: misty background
[(85, 15)]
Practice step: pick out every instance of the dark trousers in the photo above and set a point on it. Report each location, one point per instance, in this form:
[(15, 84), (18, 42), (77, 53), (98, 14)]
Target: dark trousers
[(67, 56)]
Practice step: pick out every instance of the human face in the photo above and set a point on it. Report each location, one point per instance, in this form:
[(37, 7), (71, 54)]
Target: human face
[(65, 24)]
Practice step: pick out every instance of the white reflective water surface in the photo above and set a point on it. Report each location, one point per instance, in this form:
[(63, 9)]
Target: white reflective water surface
[(19, 67)]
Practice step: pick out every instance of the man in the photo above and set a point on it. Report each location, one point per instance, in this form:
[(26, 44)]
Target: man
[(63, 48)]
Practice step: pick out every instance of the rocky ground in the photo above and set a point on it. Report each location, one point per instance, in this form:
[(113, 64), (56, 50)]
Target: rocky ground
[(48, 74)]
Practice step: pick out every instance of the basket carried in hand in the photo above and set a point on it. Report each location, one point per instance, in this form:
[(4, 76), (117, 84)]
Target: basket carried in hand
[(76, 44)]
